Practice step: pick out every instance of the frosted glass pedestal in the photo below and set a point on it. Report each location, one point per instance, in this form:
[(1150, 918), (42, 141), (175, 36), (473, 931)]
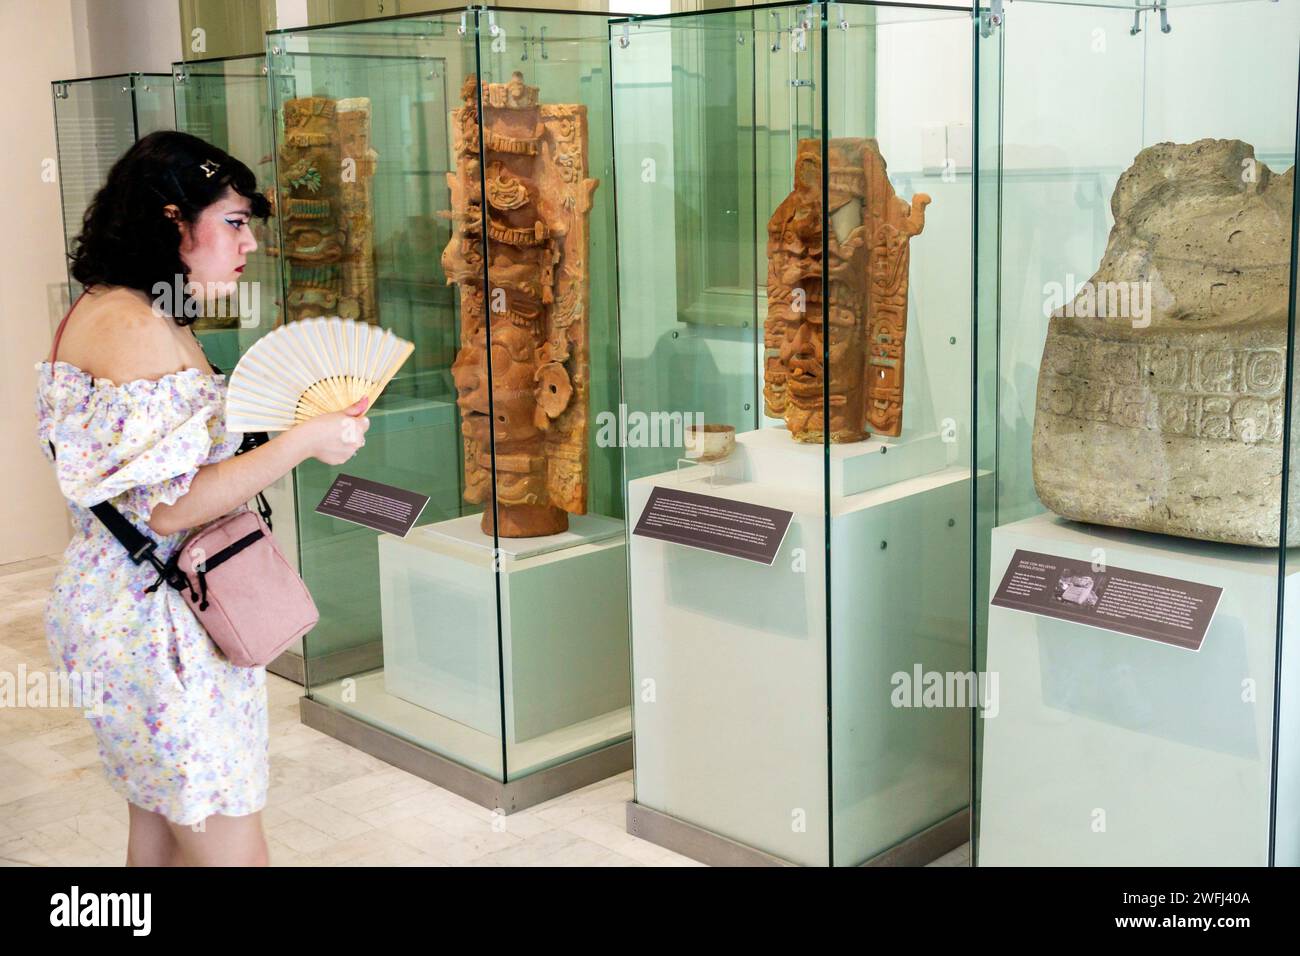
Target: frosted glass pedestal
[(1110, 750), (730, 656), (563, 624)]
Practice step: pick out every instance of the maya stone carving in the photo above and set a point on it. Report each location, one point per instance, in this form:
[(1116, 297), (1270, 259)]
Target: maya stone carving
[(866, 310), (325, 172), (1160, 394), (531, 413)]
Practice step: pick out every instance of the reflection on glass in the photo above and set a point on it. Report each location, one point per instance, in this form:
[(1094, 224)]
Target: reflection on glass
[(1137, 304), (792, 248), (495, 633), (95, 122)]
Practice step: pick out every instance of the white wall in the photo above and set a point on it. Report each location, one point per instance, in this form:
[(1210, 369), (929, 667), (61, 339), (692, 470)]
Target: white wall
[(38, 47), (45, 40), (126, 36)]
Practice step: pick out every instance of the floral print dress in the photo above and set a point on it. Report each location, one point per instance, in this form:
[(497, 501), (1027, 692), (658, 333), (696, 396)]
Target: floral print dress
[(183, 732)]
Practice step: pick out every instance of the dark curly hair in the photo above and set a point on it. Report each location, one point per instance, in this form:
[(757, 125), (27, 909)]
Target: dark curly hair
[(126, 240)]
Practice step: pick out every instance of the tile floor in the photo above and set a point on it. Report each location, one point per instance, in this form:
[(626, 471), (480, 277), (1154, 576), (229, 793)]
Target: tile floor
[(329, 804)]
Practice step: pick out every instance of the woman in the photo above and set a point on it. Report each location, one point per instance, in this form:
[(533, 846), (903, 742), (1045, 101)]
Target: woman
[(130, 411)]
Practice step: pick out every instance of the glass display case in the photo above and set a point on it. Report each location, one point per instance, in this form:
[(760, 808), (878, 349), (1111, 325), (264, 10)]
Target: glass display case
[(226, 101), (487, 649), (95, 121), (799, 456), (1136, 320)]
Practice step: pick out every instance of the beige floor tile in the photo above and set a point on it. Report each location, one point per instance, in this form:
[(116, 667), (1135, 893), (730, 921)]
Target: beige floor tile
[(37, 756), (342, 852), (396, 856), (23, 851), (373, 790), (104, 830), (288, 736), (330, 820), (586, 853), (530, 852), (46, 565), (526, 824), (421, 860), (429, 800), (454, 847), (605, 834), (283, 855), (291, 778), (301, 837), (329, 804)]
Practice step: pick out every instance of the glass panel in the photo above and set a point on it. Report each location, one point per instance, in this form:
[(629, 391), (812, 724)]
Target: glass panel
[(898, 235), (729, 654), (94, 125), (155, 105), (225, 102), (539, 384), (1286, 728), (987, 177), (1143, 301), (408, 632)]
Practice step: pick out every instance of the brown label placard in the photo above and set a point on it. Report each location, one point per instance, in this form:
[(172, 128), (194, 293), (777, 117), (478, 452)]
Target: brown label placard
[(373, 504), (721, 525), (1150, 606)]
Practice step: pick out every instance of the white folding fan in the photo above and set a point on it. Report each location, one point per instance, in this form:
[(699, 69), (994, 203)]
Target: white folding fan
[(310, 367)]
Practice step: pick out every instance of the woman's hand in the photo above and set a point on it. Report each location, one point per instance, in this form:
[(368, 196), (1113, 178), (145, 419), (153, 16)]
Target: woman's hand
[(334, 438), (226, 484)]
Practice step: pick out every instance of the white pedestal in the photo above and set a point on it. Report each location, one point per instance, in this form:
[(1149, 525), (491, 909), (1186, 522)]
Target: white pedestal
[(564, 634), (771, 455), (730, 656), (1111, 750)]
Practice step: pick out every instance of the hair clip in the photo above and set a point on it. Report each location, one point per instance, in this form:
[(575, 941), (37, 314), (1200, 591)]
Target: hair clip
[(209, 173)]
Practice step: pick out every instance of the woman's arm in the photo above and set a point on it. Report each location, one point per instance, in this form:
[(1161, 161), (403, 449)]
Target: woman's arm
[(221, 487), (125, 341)]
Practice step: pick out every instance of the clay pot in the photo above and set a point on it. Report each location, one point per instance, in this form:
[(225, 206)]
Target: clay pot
[(710, 442)]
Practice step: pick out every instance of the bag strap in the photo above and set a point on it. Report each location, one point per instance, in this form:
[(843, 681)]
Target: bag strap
[(140, 547), (58, 334)]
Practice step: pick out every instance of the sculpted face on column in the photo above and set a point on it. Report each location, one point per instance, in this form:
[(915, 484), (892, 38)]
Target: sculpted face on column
[(529, 419), (866, 310)]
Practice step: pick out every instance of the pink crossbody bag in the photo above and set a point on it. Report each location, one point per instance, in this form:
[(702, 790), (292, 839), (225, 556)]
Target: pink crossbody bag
[(231, 573)]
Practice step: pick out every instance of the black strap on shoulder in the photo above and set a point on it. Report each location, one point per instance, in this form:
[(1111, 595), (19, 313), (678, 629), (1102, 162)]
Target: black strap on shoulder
[(140, 547), (253, 440)]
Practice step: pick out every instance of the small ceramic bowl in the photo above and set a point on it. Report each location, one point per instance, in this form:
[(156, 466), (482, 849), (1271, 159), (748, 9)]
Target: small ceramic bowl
[(710, 442)]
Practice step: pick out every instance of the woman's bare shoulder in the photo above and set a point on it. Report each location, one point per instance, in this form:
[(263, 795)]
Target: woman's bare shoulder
[(118, 336)]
